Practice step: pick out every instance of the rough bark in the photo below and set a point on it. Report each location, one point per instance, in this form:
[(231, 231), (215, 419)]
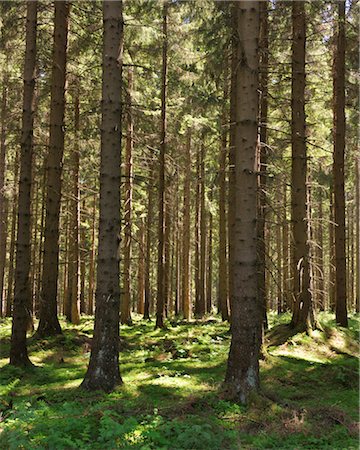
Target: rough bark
[(92, 260), (22, 291), (223, 266), (209, 259), (103, 372), (126, 299), (160, 303), (73, 273), (242, 375), (49, 323), (263, 150), (141, 269), (338, 168), (149, 221), (201, 310), (3, 199), (357, 197), (186, 299), (300, 262)]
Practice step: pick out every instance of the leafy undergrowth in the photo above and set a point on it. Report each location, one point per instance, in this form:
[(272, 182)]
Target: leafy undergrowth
[(171, 397)]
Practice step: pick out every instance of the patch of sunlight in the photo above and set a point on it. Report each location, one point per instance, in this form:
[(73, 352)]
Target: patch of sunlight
[(181, 382), (299, 353)]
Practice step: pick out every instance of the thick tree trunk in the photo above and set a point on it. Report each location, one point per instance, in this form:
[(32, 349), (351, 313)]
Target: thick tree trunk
[(22, 295), (73, 273), (300, 262), (338, 169), (126, 300), (242, 375), (160, 303), (186, 299), (49, 323), (103, 372)]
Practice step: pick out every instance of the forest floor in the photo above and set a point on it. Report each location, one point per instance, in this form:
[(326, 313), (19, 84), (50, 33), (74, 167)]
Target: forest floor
[(172, 398)]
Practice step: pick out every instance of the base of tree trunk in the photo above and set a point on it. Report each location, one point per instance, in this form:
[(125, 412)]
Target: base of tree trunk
[(46, 329), (20, 361)]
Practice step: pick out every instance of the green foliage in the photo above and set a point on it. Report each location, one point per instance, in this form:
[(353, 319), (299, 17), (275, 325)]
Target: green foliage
[(172, 398)]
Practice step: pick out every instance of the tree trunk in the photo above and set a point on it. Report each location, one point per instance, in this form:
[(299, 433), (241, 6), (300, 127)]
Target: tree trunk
[(141, 271), (263, 151), (242, 375), (161, 226), (197, 263), (202, 298), (186, 299), (126, 300), (3, 199), (73, 274), (285, 252), (331, 252), (22, 295), (49, 324), (92, 260), (209, 259), (223, 266), (149, 221), (103, 372), (357, 234), (11, 268), (338, 168), (300, 262)]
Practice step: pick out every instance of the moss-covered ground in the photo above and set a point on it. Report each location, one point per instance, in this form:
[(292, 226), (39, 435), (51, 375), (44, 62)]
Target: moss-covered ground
[(172, 397)]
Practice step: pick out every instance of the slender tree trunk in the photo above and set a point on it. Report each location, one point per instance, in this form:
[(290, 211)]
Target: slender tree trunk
[(300, 262), (73, 274), (197, 236), (332, 253), (167, 251), (320, 258), (202, 298), (161, 226), (210, 259), (22, 296), (186, 299), (149, 221), (263, 150), (141, 269), (82, 262), (338, 168), (3, 199), (92, 260), (126, 301), (357, 234), (223, 266), (232, 144), (103, 372), (242, 375), (279, 267), (285, 252), (11, 268), (49, 323)]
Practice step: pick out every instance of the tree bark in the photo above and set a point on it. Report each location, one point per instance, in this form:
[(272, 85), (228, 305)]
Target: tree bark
[(242, 375), (73, 274), (186, 299), (149, 221), (300, 262), (103, 372), (338, 168), (161, 200), (141, 269), (92, 260), (209, 259), (22, 295), (357, 197), (263, 150), (126, 300), (202, 297), (3, 199), (49, 323), (223, 266)]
